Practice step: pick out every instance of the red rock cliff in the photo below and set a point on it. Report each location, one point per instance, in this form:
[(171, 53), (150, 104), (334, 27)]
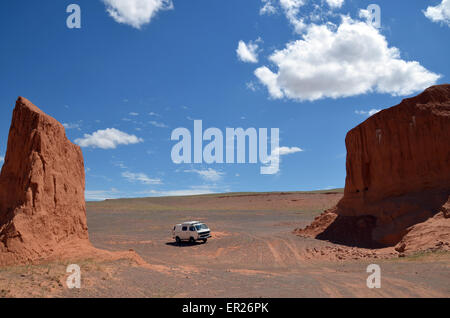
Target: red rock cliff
[(398, 173), (42, 201), (398, 164)]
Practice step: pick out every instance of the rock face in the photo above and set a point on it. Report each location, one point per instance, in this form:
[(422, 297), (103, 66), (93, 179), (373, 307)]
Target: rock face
[(42, 205), (398, 172)]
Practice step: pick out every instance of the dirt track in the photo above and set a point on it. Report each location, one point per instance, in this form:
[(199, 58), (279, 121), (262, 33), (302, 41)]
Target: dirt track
[(253, 253)]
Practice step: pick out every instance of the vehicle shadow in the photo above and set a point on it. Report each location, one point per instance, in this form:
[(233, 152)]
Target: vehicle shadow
[(184, 244)]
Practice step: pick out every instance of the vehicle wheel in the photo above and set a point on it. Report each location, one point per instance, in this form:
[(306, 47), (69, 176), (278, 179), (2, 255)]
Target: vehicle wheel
[(191, 240), (205, 240), (178, 240)]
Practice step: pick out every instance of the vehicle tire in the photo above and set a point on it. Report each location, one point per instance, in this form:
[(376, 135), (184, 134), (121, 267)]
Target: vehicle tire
[(178, 240), (191, 240), (205, 240)]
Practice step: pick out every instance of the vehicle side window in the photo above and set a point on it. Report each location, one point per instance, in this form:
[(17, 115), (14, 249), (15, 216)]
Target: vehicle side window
[(192, 228), (184, 228)]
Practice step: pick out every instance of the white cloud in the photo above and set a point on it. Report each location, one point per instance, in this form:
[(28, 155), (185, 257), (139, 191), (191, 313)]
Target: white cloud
[(140, 177), (248, 52), (208, 174), (120, 164), (136, 12), (364, 14), (179, 193), (335, 3), (282, 151), (187, 192), (100, 195), (252, 86), (268, 78), (158, 124), (298, 18), (109, 138), (367, 113), (133, 114), (268, 7), (192, 190), (349, 60), (2, 159), (291, 9), (71, 126), (439, 13), (275, 157)]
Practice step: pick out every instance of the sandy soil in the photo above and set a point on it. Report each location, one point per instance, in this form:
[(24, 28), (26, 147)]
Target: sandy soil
[(253, 253)]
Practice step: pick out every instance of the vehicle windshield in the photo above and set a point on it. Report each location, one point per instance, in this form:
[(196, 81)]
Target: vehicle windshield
[(201, 227)]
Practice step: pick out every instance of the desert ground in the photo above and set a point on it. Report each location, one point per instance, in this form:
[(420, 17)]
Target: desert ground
[(253, 253)]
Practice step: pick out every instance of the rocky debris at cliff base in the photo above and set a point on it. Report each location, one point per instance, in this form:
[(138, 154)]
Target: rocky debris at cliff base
[(431, 235), (319, 225), (346, 253)]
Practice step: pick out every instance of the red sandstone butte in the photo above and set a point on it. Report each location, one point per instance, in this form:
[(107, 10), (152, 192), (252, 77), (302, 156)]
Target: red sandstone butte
[(398, 173), (42, 205)]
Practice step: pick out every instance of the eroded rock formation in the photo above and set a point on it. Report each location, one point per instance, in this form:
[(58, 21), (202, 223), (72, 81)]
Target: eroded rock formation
[(42, 205), (398, 173)]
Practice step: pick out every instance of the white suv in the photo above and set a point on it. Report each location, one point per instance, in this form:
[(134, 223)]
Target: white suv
[(191, 231)]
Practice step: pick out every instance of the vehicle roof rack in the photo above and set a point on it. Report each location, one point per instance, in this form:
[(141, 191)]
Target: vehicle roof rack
[(191, 222)]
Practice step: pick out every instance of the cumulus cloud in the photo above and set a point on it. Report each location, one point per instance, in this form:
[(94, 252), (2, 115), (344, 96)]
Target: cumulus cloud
[(109, 138), (248, 52), (367, 113), (439, 13), (136, 13), (208, 174), (335, 3), (348, 60), (140, 177)]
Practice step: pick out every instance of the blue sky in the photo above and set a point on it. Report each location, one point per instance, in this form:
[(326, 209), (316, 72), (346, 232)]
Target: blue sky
[(312, 68)]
